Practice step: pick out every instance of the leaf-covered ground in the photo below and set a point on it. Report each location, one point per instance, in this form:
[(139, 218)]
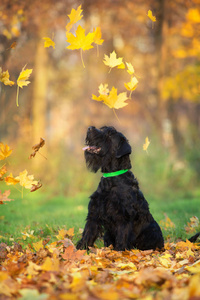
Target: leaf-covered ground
[(56, 270)]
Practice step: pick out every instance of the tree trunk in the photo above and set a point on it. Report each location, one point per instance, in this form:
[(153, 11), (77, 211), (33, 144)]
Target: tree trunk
[(40, 92)]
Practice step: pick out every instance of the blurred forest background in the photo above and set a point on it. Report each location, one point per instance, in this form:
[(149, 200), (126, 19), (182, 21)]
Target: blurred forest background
[(58, 105)]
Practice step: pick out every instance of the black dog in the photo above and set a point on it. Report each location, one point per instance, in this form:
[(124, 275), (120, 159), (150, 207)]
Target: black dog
[(118, 207)]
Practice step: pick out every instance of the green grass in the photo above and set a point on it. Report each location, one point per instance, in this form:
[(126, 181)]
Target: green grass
[(47, 214)]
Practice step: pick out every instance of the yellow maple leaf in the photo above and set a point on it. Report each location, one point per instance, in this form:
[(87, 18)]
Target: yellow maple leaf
[(26, 180), (103, 89), (48, 42), (3, 171), (23, 76), (130, 68), (146, 144), (50, 264), (97, 36), (70, 232), (38, 245), (165, 260), (4, 77), (32, 270), (61, 234), (195, 268), (113, 61), (186, 245), (10, 180), (5, 151), (131, 85), (113, 100), (28, 234), (22, 80), (74, 17), (151, 17), (80, 40)]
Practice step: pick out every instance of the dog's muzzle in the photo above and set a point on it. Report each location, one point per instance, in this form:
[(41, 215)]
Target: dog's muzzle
[(92, 149)]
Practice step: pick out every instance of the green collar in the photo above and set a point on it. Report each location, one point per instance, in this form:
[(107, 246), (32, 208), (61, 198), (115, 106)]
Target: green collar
[(113, 174)]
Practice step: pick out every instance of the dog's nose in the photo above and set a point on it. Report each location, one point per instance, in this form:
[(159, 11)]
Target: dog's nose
[(90, 128)]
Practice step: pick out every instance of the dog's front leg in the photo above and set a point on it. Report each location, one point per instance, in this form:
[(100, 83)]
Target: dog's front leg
[(123, 238), (89, 236), (92, 227)]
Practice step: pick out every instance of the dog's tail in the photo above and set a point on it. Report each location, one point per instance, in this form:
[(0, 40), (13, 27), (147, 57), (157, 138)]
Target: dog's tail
[(194, 237)]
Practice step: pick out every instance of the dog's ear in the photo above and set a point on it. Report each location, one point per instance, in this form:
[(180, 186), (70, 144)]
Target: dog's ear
[(124, 148)]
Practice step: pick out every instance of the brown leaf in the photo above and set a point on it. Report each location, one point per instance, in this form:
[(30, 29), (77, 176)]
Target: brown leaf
[(37, 147), (35, 187)]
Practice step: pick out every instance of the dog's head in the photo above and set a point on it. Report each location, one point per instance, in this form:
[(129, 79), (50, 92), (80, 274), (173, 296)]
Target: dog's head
[(106, 149)]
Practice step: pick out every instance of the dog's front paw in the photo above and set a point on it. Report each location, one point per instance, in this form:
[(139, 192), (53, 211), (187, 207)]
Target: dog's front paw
[(80, 245)]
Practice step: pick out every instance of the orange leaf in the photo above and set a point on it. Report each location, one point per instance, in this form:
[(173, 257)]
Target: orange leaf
[(4, 197), (72, 254), (5, 151), (10, 180)]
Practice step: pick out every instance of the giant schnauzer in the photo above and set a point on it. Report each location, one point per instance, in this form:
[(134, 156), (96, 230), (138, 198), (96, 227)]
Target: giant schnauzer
[(118, 207)]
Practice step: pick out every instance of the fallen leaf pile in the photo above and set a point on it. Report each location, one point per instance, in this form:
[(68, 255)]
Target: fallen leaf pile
[(56, 270)]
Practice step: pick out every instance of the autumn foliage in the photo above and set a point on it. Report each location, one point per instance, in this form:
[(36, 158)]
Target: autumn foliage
[(56, 270), (52, 268)]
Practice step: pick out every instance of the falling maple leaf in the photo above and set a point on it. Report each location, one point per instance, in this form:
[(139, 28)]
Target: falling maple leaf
[(4, 197), (113, 61), (131, 85), (5, 151), (103, 89), (74, 17), (23, 76), (130, 68), (97, 38), (26, 180), (3, 171), (36, 187), (37, 147), (12, 46), (146, 144), (10, 180), (4, 77), (113, 100), (80, 40), (23, 80), (48, 42), (150, 15)]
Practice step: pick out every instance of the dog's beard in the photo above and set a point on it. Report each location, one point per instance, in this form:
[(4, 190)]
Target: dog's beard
[(93, 161)]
